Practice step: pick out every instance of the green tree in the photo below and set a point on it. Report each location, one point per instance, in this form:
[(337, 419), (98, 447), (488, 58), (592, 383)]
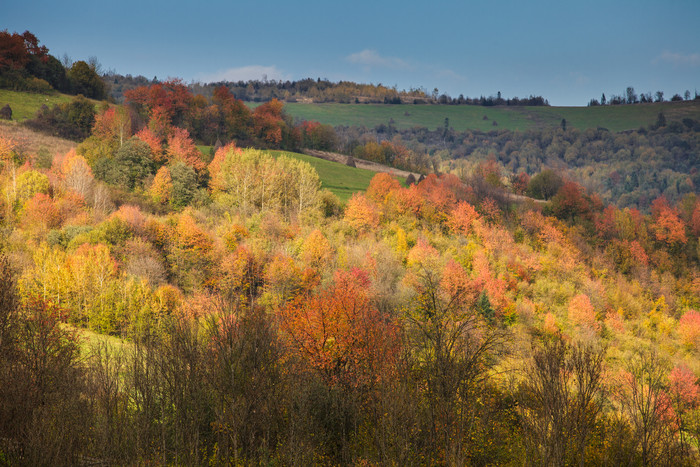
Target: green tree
[(544, 185), (30, 183), (86, 81), (131, 165), (184, 184)]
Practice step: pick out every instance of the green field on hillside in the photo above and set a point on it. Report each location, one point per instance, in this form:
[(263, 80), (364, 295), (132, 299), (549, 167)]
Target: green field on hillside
[(340, 179), (461, 117), (467, 117), (25, 105)]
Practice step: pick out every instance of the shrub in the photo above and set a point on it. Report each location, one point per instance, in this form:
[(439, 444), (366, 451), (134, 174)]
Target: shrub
[(72, 120), (6, 112)]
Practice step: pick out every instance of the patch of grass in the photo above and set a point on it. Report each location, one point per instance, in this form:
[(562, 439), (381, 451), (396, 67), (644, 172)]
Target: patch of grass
[(467, 117), (25, 105), (340, 179), (206, 151), (89, 340)]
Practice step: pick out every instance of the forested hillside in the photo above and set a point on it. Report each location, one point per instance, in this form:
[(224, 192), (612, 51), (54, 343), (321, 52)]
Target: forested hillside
[(261, 320), (533, 297)]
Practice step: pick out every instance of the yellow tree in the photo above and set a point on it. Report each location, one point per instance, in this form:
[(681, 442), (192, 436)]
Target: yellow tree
[(316, 250), (49, 277), (7, 159), (161, 189), (92, 268)]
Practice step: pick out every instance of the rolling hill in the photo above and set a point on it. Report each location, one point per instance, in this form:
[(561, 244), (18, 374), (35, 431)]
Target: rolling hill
[(465, 117), (461, 117)]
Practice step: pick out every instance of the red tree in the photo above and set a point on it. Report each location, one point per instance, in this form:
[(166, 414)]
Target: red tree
[(172, 97), (17, 49), (269, 124), (667, 227)]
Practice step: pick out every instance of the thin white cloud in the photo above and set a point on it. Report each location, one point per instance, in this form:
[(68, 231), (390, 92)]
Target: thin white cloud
[(677, 58), (449, 74), (370, 58), (244, 73)]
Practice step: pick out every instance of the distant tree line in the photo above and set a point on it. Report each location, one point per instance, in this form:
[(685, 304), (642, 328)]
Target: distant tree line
[(27, 66), (493, 100), (320, 91), (631, 97)]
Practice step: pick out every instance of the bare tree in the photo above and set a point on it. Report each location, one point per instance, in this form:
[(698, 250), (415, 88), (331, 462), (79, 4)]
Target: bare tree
[(455, 351), (647, 407), (560, 399)]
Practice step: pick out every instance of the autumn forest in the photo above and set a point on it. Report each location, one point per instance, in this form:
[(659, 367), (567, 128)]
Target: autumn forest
[(178, 286)]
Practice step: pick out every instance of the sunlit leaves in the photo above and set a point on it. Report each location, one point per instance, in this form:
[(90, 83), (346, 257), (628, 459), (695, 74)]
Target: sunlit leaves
[(161, 189), (689, 329), (252, 180), (361, 214)]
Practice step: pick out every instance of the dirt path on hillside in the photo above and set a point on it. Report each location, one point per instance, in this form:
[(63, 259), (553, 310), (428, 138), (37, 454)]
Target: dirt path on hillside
[(359, 163)]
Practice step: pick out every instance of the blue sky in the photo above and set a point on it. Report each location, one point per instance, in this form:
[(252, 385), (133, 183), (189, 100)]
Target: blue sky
[(568, 52)]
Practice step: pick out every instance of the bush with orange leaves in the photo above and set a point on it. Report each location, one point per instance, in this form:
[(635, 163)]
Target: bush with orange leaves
[(462, 218), (182, 148), (361, 213), (667, 226), (581, 312), (341, 334)]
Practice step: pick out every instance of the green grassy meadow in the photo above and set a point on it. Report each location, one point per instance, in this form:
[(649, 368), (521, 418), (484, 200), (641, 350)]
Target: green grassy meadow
[(90, 340), (25, 105), (340, 179), (467, 117)]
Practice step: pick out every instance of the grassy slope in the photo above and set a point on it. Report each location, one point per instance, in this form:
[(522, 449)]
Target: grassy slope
[(33, 142), (614, 118), (340, 179), (25, 105)]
